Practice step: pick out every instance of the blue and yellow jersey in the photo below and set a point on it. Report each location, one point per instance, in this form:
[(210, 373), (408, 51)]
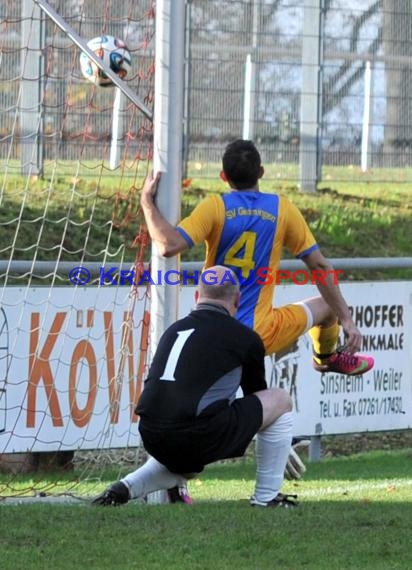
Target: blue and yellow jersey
[(246, 231)]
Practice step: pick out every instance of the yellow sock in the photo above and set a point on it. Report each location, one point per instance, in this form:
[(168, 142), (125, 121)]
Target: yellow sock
[(324, 340)]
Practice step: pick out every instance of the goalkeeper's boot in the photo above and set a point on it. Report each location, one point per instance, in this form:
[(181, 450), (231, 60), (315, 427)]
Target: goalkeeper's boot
[(343, 363), (281, 500), (179, 494), (116, 494)]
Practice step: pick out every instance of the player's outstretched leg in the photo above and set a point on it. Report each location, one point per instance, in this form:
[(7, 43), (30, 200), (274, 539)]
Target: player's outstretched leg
[(327, 355), (150, 477), (118, 494)]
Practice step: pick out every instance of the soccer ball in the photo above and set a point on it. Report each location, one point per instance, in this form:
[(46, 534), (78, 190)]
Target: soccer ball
[(115, 55)]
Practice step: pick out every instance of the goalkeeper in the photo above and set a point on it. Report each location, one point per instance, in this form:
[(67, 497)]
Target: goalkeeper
[(246, 230), (189, 413)]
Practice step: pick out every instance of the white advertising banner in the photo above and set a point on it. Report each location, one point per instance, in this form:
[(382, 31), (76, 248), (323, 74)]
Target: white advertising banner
[(334, 403), (66, 383)]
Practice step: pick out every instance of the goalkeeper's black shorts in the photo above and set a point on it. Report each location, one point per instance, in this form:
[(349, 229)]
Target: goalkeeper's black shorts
[(221, 431)]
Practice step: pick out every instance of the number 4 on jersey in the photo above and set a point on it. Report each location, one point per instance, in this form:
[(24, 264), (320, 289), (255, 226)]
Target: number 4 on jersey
[(245, 242)]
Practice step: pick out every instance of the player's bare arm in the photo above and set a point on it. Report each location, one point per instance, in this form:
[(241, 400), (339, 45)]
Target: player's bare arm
[(168, 240), (331, 293)]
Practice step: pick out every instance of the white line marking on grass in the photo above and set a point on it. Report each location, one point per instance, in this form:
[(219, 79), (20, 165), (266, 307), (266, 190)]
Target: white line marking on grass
[(358, 487)]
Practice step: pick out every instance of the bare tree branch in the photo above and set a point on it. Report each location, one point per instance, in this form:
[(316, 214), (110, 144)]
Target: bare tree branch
[(359, 22), (328, 101)]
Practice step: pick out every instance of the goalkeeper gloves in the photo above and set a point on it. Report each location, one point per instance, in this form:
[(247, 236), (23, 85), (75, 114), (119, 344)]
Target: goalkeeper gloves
[(295, 467)]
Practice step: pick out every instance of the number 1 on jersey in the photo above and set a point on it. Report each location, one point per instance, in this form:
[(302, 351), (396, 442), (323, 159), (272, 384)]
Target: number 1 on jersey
[(170, 368)]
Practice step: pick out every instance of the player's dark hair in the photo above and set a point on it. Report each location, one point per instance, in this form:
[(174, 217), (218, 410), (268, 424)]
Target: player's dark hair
[(241, 164)]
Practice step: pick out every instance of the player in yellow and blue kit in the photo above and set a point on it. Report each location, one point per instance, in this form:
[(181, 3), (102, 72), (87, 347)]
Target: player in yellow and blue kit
[(246, 231), (238, 228)]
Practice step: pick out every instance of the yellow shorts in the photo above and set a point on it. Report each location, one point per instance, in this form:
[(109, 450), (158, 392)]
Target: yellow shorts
[(283, 327)]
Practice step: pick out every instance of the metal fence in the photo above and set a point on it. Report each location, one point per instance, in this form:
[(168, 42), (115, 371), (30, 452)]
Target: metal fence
[(301, 77), (358, 71)]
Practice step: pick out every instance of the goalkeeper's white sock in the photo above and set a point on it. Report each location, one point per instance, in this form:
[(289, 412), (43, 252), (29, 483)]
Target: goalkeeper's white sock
[(273, 445), (150, 477)]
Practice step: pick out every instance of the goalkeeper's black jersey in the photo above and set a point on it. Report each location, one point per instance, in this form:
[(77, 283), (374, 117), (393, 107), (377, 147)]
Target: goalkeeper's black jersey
[(201, 359)]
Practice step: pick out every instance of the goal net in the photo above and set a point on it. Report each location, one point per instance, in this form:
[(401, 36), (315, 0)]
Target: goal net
[(73, 322)]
